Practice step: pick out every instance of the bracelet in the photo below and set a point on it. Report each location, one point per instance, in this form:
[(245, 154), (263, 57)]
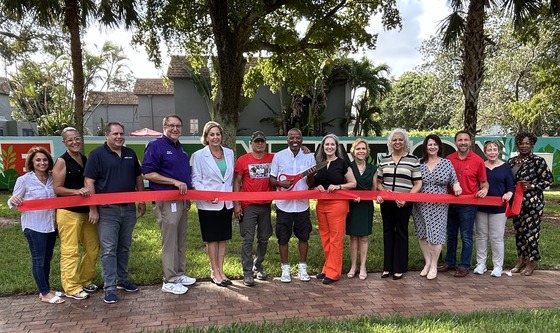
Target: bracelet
[(340, 187)]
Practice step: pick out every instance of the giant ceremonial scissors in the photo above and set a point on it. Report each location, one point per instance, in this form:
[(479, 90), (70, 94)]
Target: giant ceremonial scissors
[(296, 178)]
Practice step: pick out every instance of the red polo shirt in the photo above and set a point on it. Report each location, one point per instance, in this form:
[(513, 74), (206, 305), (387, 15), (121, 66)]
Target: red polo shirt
[(470, 171)]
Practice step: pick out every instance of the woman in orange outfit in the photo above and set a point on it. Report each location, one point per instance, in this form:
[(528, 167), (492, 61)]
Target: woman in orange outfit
[(331, 214)]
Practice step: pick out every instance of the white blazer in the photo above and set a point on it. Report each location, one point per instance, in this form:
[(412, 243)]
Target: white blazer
[(207, 176)]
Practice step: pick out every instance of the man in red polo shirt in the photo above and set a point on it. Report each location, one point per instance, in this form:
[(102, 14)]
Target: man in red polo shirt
[(471, 173)]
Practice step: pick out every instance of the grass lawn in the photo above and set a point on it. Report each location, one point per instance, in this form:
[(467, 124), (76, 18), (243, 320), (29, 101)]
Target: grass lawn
[(480, 322), (145, 259)]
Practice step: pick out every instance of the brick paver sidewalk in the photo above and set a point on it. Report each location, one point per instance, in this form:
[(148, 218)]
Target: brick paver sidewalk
[(206, 304)]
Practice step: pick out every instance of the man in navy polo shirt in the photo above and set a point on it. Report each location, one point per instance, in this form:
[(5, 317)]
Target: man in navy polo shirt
[(113, 168), (166, 167)]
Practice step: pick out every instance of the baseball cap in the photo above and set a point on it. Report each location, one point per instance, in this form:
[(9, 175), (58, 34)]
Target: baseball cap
[(258, 135)]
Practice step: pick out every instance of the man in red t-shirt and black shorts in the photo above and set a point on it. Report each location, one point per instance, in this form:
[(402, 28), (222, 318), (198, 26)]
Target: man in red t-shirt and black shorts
[(252, 174)]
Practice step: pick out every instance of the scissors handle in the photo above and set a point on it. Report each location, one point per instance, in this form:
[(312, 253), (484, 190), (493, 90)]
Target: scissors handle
[(293, 178)]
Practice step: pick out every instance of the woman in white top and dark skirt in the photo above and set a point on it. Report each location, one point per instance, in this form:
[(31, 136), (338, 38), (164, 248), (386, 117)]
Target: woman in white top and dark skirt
[(212, 170)]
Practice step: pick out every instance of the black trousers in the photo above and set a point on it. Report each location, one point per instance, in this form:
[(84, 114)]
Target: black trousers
[(395, 236)]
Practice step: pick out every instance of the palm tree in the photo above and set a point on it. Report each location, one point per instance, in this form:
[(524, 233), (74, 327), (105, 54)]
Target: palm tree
[(73, 15), (367, 119), (468, 28), (361, 74)]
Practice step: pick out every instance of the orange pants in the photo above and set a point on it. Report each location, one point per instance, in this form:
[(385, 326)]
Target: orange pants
[(331, 215)]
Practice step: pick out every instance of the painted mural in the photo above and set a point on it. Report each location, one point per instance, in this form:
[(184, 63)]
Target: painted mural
[(14, 149)]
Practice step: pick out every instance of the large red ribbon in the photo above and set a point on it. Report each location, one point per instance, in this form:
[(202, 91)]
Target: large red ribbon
[(126, 197), (515, 207)]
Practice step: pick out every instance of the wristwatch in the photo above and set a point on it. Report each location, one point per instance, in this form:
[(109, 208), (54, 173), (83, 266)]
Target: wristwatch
[(340, 187)]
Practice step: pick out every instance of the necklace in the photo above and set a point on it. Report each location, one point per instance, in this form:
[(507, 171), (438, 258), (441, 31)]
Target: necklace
[(521, 160), (42, 178), (218, 157)]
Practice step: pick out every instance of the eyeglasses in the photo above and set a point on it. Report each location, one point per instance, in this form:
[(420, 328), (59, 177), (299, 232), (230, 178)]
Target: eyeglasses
[(75, 139), (174, 126)]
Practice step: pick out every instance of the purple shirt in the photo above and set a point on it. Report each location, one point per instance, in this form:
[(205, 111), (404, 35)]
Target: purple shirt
[(169, 160)]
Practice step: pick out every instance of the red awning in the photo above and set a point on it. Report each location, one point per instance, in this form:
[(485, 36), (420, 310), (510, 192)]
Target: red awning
[(145, 132)]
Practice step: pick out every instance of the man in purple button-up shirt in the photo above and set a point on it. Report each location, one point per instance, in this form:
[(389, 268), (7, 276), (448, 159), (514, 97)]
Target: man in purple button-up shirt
[(166, 166)]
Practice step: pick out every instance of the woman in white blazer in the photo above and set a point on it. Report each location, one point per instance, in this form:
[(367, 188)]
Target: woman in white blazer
[(212, 170)]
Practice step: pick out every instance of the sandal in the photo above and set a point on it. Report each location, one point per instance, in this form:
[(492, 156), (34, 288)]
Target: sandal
[(529, 269), (363, 275), (56, 293), (351, 273), (219, 284), (425, 271), (53, 300), (519, 266)]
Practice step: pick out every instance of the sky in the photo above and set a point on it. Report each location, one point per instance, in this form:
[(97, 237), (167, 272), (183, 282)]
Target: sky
[(398, 49)]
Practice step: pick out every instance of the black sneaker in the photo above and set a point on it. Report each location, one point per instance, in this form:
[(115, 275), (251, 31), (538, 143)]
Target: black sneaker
[(110, 297), (128, 286)]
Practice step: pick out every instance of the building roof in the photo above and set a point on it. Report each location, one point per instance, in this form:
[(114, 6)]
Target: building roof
[(153, 87), (177, 65), (177, 69), (112, 97), (4, 86)]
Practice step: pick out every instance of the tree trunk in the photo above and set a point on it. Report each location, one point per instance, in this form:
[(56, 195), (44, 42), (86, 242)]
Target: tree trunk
[(230, 70), (72, 22), (473, 63)]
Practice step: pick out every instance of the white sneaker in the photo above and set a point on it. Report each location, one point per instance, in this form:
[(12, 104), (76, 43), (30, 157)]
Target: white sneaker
[(497, 272), (302, 272), (480, 269), (185, 280), (174, 288), (286, 275)]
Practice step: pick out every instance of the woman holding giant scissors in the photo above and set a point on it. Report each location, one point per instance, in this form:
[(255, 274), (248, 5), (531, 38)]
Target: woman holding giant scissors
[(331, 214)]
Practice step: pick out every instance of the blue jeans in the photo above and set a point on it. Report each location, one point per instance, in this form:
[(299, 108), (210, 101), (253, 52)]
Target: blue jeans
[(41, 246), (460, 219), (116, 223)]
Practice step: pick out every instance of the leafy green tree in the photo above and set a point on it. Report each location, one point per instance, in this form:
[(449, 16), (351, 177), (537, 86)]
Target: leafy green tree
[(73, 16), (227, 30), (43, 91), (464, 28), (419, 101), (19, 39), (538, 107)]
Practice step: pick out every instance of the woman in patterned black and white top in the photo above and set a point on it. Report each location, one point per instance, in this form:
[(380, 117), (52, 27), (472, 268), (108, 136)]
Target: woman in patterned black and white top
[(397, 172)]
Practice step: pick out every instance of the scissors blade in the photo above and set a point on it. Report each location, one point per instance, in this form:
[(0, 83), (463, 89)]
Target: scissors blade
[(317, 167)]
